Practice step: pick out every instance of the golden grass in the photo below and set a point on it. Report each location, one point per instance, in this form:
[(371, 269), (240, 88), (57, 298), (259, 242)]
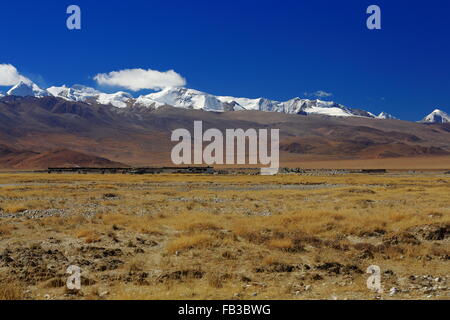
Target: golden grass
[(89, 236), (228, 227), (189, 242), (14, 208), (10, 290), (6, 229), (281, 244)]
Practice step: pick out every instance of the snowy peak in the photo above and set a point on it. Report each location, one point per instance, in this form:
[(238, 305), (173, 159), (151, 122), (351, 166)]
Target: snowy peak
[(90, 95), (184, 98), (320, 107), (74, 93), (437, 116), (384, 115), (25, 89), (260, 104), (78, 93), (119, 99)]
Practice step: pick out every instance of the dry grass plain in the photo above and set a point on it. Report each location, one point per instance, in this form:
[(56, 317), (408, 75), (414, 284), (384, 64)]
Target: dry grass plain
[(224, 237)]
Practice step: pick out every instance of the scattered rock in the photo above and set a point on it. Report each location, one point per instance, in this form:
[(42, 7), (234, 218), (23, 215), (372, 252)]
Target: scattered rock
[(337, 268), (433, 232), (402, 238), (393, 291), (103, 294), (182, 274), (279, 268)]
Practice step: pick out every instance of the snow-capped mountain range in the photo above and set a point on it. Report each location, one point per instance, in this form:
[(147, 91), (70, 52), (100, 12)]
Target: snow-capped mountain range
[(85, 94), (193, 99)]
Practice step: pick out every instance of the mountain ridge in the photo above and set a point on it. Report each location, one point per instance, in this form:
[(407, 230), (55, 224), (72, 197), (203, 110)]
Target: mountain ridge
[(140, 136), (180, 97), (11, 158)]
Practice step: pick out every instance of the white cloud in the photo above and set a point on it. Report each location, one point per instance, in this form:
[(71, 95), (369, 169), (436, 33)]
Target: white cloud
[(138, 79), (322, 94), (9, 76), (318, 94)]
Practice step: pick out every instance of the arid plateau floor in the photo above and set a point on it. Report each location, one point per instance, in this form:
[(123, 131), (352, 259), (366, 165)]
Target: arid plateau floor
[(225, 237)]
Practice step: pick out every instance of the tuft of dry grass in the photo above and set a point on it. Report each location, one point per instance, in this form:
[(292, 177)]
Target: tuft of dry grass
[(14, 209), (281, 244), (10, 290), (136, 265), (89, 236), (187, 242), (6, 229)]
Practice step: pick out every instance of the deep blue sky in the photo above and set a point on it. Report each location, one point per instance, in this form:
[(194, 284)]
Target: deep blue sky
[(277, 49)]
